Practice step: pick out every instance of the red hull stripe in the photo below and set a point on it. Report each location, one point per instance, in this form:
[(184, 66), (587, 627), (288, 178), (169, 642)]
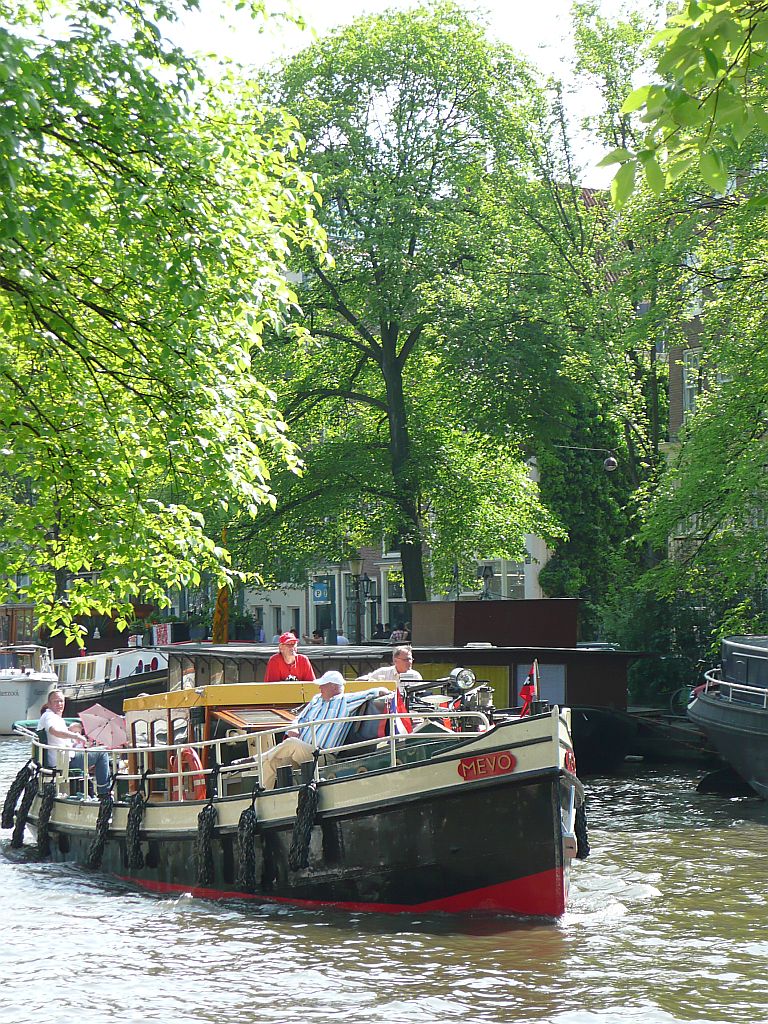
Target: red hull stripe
[(539, 895)]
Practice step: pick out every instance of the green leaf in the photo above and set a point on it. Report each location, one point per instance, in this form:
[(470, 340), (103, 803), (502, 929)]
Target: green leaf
[(654, 175), (616, 156), (713, 170), (636, 99), (622, 184), (713, 61)]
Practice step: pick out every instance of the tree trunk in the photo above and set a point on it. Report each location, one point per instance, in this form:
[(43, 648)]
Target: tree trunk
[(408, 530)]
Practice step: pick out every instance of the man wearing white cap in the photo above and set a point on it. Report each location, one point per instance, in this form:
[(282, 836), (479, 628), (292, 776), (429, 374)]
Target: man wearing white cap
[(316, 731)]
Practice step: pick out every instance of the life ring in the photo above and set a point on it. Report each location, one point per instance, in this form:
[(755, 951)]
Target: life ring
[(192, 785)]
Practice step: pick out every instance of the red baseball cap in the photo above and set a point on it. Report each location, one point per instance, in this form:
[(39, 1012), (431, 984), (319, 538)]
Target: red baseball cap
[(288, 638)]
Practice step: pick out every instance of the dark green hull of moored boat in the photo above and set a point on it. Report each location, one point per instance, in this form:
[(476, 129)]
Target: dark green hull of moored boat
[(732, 708)]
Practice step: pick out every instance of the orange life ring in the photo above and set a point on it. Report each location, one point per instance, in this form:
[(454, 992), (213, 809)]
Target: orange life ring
[(193, 785)]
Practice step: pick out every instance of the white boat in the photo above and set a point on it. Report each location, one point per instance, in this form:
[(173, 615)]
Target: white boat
[(26, 676), (111, 676)]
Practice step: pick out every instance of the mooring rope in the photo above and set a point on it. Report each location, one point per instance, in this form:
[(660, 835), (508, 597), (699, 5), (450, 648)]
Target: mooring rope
[(306, 812), (206, 829), (247, 830), (13, 794), (46, 806), (136, 804), (30, 789), (582, 836), (99, 841)]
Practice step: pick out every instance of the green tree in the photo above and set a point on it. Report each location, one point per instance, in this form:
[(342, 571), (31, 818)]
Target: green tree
[(708, 98), (407, 117), (145, 220)]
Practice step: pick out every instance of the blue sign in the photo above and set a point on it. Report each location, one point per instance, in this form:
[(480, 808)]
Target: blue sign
[(320, 593)]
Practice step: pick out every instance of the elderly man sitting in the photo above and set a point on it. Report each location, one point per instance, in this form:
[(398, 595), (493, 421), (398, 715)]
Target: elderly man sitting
[(317, 731)]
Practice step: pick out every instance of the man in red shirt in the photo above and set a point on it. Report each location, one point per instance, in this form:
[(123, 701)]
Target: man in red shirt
[(287, 664)]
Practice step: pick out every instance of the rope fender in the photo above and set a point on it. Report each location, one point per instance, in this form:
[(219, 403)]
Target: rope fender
[(30, 789), (582, 836), (247, 830), (206, 828), (137, 803), (43, 819), (306, 812), (99, 841), (13, 794)]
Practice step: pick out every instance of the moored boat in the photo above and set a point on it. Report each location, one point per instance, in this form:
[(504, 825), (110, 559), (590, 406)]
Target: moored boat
[(26, 676), (731, 708), (110, 677), (473, 810)]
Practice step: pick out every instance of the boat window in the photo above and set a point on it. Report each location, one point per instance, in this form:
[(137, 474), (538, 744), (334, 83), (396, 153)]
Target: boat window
[(86, 670), (180, 728), (108, 668), (140, 734)]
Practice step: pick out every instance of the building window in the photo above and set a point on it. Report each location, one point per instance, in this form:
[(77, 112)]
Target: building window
[(691, 380)]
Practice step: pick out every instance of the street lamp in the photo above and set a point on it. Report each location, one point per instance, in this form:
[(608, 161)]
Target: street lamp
[(609, 465), (358, 591)]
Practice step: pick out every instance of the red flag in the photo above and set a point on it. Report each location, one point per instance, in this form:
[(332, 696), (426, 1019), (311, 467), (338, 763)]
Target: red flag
[(530, 689), (404, 723), (396, 706)]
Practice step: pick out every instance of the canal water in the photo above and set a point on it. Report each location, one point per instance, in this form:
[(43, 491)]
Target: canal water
[(667, 923)]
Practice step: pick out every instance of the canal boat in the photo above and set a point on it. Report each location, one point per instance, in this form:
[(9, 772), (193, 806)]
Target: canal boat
[(472, 811), (110, 677), (26, 676), (731, 708)]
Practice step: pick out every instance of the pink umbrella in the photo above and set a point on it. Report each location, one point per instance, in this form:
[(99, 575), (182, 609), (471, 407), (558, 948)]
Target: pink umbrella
[(104, 727)]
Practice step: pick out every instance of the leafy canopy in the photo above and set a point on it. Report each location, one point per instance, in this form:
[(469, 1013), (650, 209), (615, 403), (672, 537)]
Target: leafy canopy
[(145, 221), (709, 97), (407, 116)]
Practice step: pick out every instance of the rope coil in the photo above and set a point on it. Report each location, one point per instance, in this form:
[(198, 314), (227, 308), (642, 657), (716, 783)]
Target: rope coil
[(43, 819), (206, 828), (582, 835), (306, 812), (12, 796), (30, 790), (247, 830), (99, 841), (136, 805)]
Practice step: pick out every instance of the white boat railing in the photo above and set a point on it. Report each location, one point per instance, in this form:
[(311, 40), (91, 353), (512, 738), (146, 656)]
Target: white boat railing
[(144, 773), (756, 696)]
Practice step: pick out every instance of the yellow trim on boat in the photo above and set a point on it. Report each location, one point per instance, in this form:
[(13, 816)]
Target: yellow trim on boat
[(225, 694)]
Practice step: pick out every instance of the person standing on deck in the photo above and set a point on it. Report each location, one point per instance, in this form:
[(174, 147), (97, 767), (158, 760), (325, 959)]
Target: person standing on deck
[(288, 664)]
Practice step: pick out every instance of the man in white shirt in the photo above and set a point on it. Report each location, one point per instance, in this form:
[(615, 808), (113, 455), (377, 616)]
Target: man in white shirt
[(402, 661), (59, 734)]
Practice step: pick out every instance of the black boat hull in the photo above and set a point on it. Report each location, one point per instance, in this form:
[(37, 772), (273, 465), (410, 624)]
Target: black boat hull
[(413, 856), (483, 824), (739, 732)]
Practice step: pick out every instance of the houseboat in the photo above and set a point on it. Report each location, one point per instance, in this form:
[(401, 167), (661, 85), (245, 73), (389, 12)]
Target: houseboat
[(110, 677), (731, 708), (473, 810)]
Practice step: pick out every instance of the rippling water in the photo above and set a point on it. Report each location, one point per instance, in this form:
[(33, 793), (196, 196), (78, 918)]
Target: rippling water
[(667, 922)]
